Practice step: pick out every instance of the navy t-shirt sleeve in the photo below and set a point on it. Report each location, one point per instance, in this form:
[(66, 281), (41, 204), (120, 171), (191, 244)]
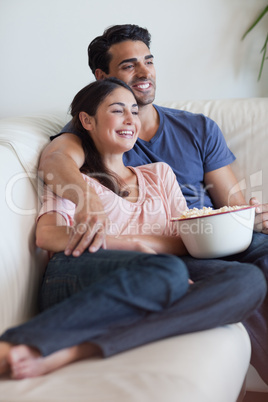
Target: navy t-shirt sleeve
[(68, 128), (216, 152)]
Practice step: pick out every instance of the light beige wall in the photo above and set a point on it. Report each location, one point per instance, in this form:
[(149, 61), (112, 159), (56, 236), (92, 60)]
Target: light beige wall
[(196, 44)]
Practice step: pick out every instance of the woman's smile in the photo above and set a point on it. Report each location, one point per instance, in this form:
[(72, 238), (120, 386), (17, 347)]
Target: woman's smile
[(129, 134)]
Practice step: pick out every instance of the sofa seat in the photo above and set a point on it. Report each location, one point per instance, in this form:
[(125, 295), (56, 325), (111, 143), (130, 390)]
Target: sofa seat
[(207, 366)]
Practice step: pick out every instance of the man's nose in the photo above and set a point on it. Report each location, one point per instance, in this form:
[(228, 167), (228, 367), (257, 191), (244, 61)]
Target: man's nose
[(142, 71)]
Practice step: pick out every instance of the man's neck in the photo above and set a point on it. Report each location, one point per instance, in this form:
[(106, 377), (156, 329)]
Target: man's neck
[(149, 122)]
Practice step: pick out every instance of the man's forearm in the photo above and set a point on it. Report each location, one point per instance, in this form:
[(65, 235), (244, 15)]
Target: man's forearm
[(62, 175), (59, 169)]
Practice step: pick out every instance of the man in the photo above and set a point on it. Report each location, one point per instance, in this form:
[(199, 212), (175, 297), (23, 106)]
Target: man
[(113, 54), (192, 145)]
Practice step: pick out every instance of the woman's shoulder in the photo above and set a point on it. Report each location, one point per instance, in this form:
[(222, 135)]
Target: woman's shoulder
[(158, 173), (93, 182), (159, 168)]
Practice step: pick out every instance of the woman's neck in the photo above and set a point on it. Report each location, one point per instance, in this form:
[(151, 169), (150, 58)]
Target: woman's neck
[(116, 165), (127, 177)]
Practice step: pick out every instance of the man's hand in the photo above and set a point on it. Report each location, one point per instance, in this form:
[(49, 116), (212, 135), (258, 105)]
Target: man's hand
[(261, 217), (89, 230)]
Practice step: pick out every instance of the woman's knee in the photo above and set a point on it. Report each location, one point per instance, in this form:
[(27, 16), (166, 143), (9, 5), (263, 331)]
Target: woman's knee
[(169, 270), (171, 265)]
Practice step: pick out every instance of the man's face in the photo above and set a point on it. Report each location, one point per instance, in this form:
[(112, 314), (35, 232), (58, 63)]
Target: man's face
[(132, 63)]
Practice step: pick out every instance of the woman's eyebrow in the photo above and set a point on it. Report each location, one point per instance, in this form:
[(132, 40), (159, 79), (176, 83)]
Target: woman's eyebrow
[(117, 103), (123, 104)]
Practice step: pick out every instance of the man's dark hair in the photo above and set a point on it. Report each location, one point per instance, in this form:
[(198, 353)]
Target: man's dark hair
[(98, 49)]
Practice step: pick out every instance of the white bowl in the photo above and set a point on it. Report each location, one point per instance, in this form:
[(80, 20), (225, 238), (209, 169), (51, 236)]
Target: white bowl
[(217, 235)]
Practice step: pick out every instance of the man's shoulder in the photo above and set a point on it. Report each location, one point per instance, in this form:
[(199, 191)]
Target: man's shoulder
[(68, 128), (194, 123), (180, 114)]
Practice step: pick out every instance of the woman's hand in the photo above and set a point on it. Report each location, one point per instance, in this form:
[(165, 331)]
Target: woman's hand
[(128, 243), (144, 248)]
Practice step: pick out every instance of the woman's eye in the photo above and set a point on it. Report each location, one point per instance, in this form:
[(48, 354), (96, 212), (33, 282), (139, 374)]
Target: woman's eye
[(135, 113)]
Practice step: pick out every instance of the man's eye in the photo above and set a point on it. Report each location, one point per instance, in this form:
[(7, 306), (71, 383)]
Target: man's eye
[(135, 113), (117, 111), (128, 67)]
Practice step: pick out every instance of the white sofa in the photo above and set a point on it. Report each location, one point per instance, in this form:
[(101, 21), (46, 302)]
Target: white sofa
[(208, 366)]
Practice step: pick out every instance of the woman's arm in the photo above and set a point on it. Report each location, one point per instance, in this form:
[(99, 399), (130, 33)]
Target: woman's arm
[(148, 243), (52, 234)]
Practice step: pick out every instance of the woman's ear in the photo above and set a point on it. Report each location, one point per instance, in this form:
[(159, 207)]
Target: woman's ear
[(86, 120)]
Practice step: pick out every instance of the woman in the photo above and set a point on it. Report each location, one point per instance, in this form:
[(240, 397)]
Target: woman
[(135, 291)]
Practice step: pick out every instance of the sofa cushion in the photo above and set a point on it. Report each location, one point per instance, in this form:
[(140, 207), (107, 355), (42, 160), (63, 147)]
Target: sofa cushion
[(27, 136), (207, 366)]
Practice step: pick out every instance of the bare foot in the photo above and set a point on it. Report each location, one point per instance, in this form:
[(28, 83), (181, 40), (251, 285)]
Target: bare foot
[(4, 351), (27, 362)]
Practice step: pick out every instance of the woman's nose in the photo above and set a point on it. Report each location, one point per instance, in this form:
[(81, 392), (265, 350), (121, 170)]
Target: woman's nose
[(128, 118)]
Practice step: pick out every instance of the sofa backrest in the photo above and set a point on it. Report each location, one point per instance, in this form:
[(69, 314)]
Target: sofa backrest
[(244, 123), (21, 263)]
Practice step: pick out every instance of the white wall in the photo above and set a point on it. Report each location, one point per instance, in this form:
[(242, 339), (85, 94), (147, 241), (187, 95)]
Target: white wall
[(196, 44)]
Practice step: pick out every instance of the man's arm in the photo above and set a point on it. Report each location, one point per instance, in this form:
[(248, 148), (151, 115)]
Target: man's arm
[(224, 189), (261, 218), (59, 168)]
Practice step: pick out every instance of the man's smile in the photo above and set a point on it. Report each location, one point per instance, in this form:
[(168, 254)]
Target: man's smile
[(142, 86)]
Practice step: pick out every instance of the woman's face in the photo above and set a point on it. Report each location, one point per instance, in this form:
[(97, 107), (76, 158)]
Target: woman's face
[(116, 126)]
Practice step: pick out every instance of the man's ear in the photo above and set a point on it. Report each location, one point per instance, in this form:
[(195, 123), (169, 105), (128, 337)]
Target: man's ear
[(100, 75), (86, 120)]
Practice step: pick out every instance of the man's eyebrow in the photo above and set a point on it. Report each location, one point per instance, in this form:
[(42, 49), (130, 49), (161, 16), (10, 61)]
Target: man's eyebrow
[(149, 56)]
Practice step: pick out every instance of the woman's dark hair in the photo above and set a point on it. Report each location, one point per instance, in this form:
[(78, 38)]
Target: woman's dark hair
[(88, 100), (98, 49)]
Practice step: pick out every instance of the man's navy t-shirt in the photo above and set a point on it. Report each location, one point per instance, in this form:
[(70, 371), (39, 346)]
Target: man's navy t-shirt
[(192, 144)]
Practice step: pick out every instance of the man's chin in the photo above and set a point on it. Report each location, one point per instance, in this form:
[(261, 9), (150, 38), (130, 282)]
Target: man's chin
[(143, 101)]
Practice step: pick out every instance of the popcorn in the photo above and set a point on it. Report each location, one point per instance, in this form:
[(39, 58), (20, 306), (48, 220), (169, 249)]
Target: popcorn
[(195, 212)]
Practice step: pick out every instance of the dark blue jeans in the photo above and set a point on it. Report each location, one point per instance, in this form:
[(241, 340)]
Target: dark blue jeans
[(257, 323), (121, 299)]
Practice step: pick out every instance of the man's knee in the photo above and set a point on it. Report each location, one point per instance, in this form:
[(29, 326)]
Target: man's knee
[(253, 283)]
